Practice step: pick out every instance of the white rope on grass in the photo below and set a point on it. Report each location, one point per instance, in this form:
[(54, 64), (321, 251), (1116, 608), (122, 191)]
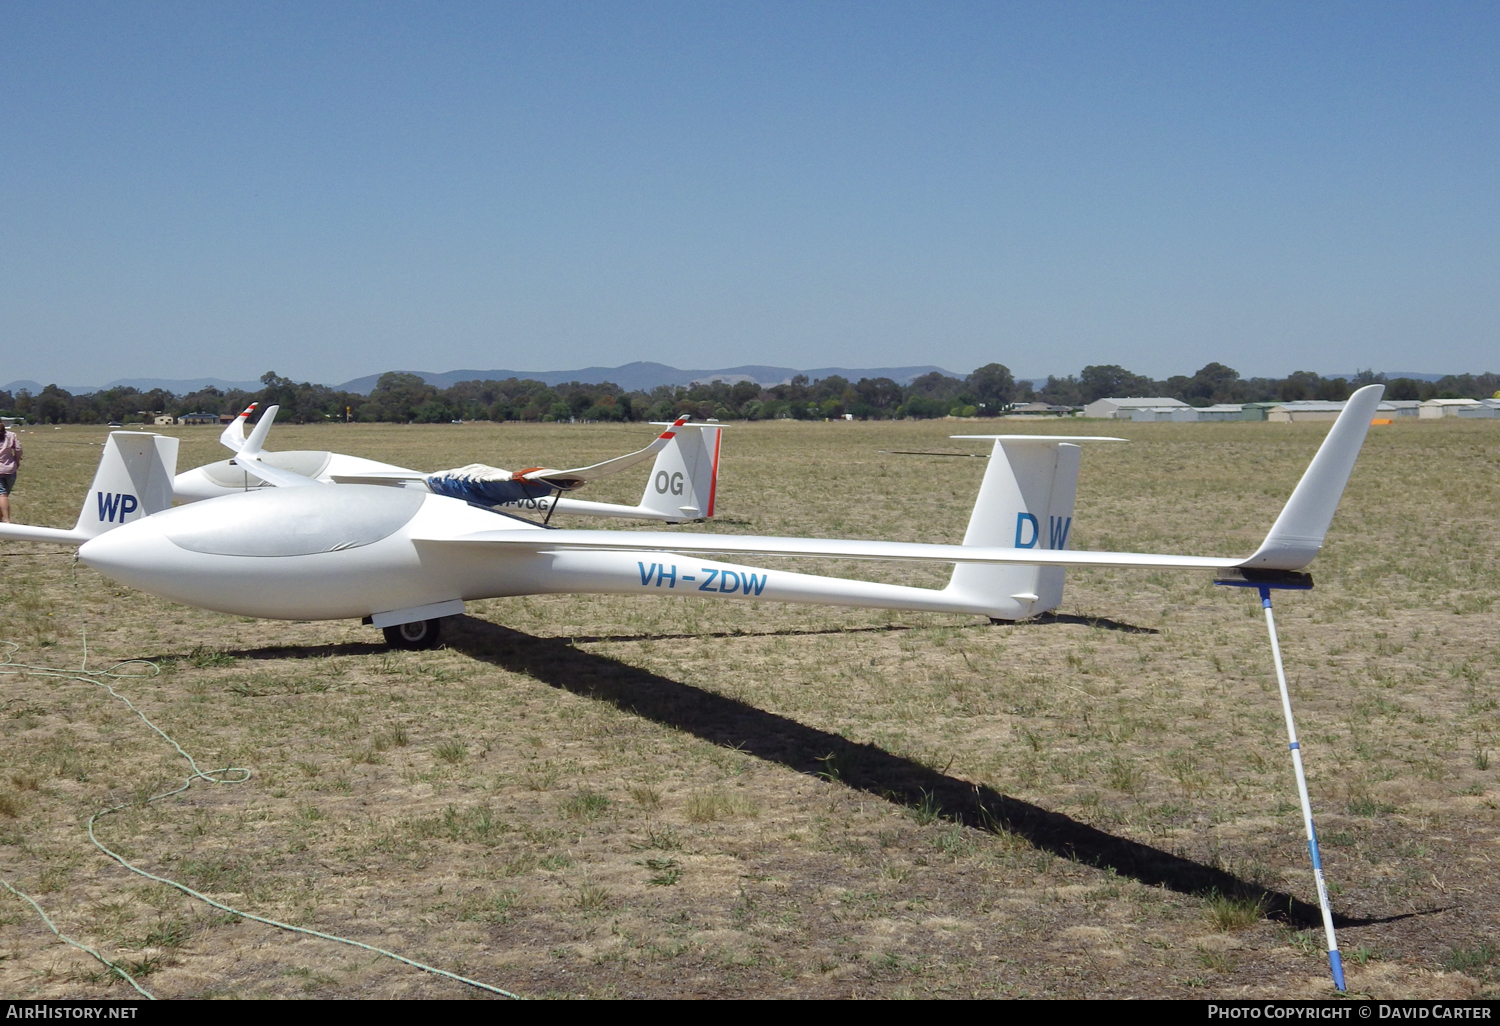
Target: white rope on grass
[(226, 775)]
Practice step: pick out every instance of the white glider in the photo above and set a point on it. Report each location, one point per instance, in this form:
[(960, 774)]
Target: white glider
[(681, 487), (402, 558)]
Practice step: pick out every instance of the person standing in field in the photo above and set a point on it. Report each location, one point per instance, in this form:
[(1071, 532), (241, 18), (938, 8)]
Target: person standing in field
[(10, 463)]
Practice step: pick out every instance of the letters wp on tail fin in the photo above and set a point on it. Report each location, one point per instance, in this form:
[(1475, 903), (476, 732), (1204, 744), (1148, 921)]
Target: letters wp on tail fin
[(134, 480)]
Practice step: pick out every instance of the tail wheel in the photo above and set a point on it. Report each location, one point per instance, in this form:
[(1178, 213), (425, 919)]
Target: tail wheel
[(417, 634)]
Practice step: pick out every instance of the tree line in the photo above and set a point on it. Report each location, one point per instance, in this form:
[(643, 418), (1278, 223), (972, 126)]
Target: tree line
[(989, 391)]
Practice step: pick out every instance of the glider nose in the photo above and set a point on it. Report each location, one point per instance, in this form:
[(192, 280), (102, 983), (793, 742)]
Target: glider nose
[(135, 555), (110, 552)]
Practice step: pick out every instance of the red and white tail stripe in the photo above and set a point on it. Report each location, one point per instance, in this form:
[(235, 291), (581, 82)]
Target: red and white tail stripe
[(713, 483), (671, 432)]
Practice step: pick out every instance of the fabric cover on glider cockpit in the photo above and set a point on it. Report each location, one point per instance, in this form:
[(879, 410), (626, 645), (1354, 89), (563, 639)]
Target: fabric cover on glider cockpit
[(487, 493)]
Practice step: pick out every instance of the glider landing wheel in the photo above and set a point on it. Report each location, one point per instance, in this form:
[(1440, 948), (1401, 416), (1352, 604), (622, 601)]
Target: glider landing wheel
[(414, 635)]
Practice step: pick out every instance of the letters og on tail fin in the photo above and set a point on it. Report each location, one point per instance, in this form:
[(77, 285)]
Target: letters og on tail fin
[(684, 480)]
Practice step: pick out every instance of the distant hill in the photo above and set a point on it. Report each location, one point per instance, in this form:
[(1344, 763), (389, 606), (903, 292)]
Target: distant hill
[(645, 376), (183, 386), (177, 386), (1413, 375), (26, 384)]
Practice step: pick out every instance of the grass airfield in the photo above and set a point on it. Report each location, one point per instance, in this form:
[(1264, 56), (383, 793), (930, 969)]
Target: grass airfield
[(584, 796)]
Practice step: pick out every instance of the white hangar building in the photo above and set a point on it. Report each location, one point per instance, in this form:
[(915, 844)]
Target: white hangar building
[(1121, 409)]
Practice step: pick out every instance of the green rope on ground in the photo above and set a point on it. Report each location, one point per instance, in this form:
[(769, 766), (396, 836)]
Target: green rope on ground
[(69, 940), (226, 775)]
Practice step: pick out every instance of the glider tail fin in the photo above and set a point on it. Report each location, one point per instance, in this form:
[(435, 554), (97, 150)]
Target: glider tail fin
[(685, 477), (1298, 533), (1025, 501), (134, 480)]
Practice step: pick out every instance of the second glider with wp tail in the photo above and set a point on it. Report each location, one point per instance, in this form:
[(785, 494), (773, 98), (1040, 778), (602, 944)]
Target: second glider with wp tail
[(681, 486)]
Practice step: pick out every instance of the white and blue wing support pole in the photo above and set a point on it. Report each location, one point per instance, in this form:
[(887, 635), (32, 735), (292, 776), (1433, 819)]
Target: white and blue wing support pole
[(1265, 581)]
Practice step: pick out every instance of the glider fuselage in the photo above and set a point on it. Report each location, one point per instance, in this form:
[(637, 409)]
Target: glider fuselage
[(325, 553)]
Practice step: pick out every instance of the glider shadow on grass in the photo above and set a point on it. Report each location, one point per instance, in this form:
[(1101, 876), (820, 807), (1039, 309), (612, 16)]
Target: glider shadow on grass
[(1045, 619), (869, 768)]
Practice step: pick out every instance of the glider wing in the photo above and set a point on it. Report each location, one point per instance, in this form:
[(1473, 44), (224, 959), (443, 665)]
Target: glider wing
[(256, 467), (233, 435), (831, 548), (1292, 543), (568, 479), (249, 455), (380, 477), (1298, 533)]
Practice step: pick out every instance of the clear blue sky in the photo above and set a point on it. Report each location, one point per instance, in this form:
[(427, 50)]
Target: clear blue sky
[(332, 189)]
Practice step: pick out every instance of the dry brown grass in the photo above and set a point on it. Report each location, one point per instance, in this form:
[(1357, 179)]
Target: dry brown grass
[(614, 797)]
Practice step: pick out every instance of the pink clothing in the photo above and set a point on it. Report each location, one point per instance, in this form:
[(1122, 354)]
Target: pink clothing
[(10, 453)]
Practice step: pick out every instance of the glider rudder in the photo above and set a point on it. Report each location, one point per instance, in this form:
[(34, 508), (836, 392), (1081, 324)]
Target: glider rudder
[(134, 480), (685, 475), (1025, 502)]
